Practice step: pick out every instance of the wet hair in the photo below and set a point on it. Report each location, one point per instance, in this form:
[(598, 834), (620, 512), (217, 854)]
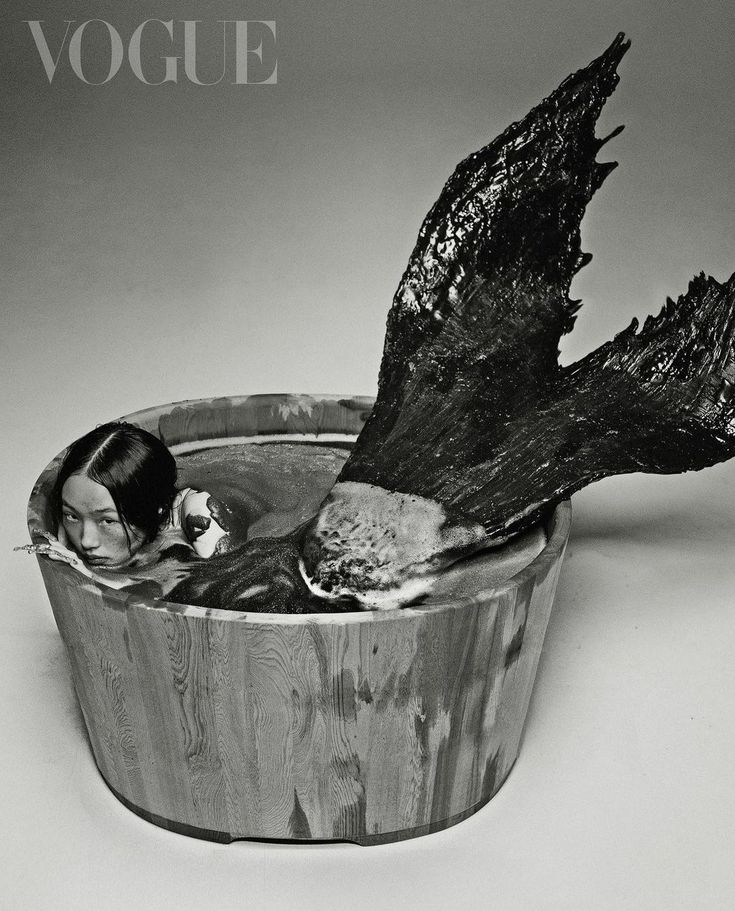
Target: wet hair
[(134, 466)]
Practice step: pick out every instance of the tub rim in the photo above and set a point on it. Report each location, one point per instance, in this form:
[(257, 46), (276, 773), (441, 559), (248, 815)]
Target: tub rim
[(557, 527)]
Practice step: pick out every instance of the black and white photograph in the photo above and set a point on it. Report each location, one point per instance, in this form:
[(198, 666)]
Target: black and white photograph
[(369, 432)]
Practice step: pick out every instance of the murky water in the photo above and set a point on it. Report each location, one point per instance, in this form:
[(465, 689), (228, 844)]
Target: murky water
[(270, 488)]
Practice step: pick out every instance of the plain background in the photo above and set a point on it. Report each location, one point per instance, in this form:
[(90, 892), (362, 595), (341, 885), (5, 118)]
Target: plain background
[(172, 242)]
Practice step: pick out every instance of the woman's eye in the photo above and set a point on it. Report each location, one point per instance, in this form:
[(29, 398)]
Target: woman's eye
[(109, 522), (68, 517)]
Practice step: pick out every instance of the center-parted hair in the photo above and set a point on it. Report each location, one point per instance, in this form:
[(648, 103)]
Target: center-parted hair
[(136, 468)]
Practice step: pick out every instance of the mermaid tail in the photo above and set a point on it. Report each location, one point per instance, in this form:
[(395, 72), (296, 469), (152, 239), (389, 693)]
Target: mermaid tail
[(477, 430)]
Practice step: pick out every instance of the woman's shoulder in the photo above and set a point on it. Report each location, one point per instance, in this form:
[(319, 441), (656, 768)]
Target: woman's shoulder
[(196, 513)]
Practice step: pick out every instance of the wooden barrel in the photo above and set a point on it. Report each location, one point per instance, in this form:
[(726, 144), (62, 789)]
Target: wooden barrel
[(366, 727)]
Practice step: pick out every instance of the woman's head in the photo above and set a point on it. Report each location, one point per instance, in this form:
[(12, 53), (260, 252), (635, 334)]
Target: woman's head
[(114, 491)]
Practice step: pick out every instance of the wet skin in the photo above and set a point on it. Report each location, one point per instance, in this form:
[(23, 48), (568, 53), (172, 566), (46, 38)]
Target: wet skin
[(92, 524)]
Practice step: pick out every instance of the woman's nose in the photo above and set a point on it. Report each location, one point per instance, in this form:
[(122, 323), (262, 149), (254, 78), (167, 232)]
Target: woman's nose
[(90, 539)]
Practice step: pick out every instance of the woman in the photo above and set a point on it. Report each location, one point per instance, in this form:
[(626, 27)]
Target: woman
[(118, 510)]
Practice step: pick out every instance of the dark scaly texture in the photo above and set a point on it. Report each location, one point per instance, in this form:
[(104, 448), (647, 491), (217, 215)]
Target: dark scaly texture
[(659, 400)]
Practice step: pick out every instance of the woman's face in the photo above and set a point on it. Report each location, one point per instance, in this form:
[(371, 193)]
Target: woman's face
[(93, 525)]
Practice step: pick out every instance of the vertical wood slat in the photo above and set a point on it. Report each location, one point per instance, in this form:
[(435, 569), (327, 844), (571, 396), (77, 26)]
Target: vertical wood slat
[(360, 727)]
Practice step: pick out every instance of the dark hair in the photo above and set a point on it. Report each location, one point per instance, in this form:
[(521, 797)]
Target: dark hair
[(136, 468)]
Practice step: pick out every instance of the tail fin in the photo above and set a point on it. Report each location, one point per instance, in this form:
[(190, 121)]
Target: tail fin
[(504, 232)]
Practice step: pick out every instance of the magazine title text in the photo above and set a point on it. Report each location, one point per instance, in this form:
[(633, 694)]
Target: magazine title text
[(161, 51)]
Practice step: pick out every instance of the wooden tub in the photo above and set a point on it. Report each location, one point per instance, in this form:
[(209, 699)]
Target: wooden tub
[(365, 727)]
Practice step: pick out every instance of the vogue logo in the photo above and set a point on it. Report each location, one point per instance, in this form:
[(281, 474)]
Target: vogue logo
[(248, 50)]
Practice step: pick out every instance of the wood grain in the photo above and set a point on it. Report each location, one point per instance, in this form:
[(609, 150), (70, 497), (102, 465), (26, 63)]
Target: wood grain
[(366, 727)]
